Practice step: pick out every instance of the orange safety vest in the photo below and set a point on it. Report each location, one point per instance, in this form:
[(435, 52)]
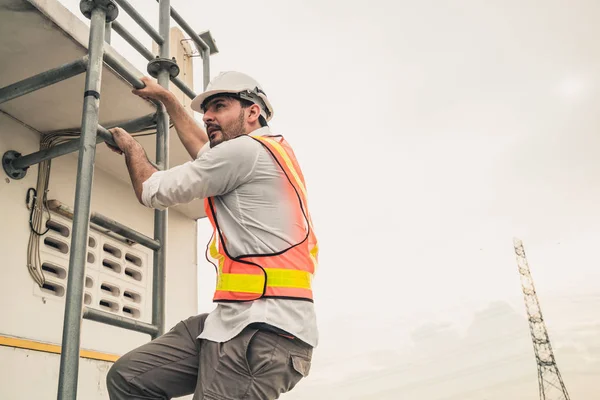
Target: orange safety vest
[(285, 274)]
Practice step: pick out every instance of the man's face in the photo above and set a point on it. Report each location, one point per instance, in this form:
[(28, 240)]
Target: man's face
[(224, 119)]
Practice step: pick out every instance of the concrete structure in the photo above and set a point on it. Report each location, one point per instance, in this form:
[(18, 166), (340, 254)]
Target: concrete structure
[(35, 36)]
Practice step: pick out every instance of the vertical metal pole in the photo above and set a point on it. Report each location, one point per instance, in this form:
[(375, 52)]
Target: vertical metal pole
[(206, 67), (107, 32), (162, 160), (69, 358)]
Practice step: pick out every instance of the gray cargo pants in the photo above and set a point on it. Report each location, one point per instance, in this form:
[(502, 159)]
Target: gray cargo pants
[(256, 364)]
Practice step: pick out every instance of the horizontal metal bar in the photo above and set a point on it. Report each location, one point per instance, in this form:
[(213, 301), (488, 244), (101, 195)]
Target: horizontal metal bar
[(72, 146), (125, 34), (146, 53), (43, 79), (124, 231), (129, 76), (137, 17), (138, 124), (107, 223), (121, 322), (123, 71), (129, 38), (61, 209), (184, 88), (103, 135), (188, 29)]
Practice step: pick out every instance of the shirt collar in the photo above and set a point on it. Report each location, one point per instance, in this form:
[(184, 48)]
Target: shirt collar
[(264, 131)]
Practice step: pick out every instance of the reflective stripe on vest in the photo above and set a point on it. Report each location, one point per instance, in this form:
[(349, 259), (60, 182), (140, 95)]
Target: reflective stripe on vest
[(286, 274)]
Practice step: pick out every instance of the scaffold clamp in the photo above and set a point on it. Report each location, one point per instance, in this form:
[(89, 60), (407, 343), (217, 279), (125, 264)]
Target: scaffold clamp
[(7, 160), (163, 64), (109, 6)]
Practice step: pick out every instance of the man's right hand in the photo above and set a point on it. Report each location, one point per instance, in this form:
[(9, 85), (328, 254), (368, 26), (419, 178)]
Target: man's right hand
[(152, 90), (189, 131), (124, 141)]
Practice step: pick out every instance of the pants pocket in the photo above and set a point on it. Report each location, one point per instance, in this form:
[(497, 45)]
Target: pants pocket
[(260, 350), (301, 365)]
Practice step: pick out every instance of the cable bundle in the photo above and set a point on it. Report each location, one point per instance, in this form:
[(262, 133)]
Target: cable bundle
[(37, 203)]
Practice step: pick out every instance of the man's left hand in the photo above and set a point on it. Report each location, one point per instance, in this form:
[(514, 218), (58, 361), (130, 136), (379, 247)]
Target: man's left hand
[(123, 139)]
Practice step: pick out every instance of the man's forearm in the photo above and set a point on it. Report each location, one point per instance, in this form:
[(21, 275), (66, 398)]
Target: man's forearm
[(190, 133), (139, 168)]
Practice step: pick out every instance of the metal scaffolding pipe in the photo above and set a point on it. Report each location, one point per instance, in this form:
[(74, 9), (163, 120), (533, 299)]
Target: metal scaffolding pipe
[(107, 32), (188, 29), (184, 88), (204, 48), (137, 17), (103, 135), (124, 231), (129, 38), (43, 79), (147, 54), (72, 146), (69, 358), (137, 124), (129, 76), (107, 223), (162, 160), (206, 67), (121, 322), (123, 71)]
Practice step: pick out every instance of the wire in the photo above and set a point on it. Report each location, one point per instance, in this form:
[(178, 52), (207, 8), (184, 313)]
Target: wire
[(38, 203), (32, 207)]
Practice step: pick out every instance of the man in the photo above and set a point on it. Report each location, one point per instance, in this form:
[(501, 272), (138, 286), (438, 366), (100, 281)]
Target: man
[(257, 343)]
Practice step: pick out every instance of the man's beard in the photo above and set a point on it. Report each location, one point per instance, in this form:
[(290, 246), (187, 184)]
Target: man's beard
[(235, 129)]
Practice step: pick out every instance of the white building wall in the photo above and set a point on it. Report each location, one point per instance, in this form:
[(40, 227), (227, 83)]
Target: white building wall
[(25, 313), (27, 374)]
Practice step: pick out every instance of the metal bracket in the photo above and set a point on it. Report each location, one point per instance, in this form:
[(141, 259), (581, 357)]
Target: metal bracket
[(87, 6), (163, 64), (194, 53), (7, 160)]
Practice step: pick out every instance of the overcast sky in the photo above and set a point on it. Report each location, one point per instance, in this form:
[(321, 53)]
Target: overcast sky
[(430, 133)]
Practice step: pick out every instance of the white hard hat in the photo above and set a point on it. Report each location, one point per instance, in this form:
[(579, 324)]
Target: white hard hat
[(239, 84)]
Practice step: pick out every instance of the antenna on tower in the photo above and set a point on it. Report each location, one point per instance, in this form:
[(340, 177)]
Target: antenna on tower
[(550, 382)]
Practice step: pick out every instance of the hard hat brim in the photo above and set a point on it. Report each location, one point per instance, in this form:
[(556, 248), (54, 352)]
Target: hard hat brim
[(196, 104)]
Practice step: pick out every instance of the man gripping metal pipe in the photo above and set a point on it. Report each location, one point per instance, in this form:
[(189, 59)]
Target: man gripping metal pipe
[(258, 341)]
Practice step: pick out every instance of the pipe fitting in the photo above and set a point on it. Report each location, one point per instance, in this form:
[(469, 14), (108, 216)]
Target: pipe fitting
[(7, 160), (163, 64), (109, 6)]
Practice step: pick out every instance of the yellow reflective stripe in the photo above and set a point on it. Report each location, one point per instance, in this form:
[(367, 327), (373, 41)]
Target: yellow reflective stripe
[(53, 348), (249, 283), (287, 160), (214, 252), (218, 257), (242, 283), (289, 278), (314, 252)]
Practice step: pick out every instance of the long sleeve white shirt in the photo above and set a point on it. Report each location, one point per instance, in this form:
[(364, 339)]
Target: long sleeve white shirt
[(246, 184)]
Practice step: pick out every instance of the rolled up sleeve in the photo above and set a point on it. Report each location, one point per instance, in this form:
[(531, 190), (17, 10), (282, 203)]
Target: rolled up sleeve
[(149, 189), (215, 172)]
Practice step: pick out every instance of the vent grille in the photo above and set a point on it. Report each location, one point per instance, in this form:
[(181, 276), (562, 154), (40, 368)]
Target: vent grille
[(56, 245), (116, 274)]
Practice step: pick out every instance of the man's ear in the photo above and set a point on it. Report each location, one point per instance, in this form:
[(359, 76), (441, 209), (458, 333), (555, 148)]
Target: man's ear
[(253, 113)]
